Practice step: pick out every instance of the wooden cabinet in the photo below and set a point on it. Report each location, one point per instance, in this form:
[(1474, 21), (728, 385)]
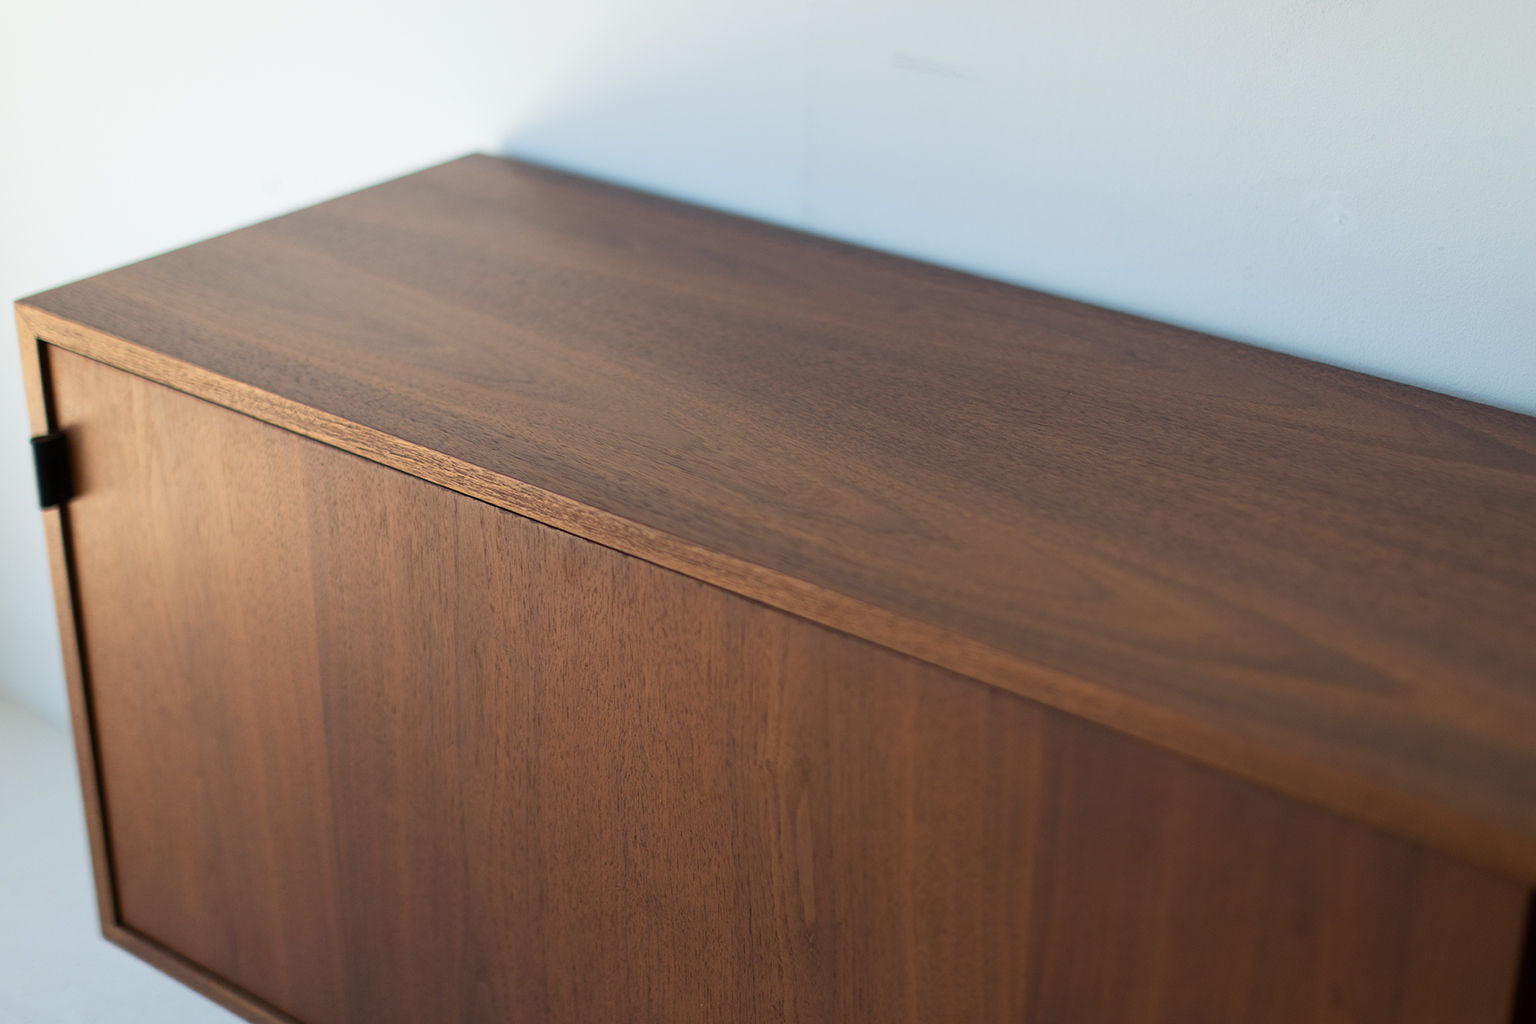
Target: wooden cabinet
[(497, 596)]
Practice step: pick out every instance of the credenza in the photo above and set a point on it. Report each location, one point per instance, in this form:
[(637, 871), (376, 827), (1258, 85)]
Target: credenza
[(497, 595)]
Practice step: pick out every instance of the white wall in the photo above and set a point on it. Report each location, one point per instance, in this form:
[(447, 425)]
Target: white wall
[(1353, 180)]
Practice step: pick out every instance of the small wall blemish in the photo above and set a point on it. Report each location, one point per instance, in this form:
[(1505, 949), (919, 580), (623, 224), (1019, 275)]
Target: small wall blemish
[(1331, 215), (915, 65)]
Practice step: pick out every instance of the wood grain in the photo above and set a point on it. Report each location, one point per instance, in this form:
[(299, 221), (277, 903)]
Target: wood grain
[(1317, 580), (374, 751)]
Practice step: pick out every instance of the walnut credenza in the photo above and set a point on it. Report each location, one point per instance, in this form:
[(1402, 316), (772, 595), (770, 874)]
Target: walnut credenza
[(500, 596)]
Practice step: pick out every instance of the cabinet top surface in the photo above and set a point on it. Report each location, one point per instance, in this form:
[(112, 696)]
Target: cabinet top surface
[(1321, 580)]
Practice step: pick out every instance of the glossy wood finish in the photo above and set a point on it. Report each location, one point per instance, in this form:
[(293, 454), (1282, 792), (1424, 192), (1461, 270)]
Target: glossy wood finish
[(374, 751), (1314, 579)]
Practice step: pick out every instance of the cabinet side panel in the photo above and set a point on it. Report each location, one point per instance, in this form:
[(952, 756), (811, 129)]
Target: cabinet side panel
[(40, 420), (375, 751)]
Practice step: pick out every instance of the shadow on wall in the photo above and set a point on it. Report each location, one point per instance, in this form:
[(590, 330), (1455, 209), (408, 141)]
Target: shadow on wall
[(1264, 176)]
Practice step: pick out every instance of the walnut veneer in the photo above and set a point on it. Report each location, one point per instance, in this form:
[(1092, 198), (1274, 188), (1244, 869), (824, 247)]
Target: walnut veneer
[(496, 595)]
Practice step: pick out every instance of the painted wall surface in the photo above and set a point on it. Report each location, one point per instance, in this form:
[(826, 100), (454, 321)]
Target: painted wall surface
[(1352, 180)]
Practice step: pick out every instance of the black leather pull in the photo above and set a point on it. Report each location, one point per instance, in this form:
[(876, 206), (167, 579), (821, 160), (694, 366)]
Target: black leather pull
[(50, 454)]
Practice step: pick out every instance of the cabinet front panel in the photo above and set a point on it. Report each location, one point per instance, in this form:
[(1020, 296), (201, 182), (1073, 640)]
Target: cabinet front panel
[(373, 751)]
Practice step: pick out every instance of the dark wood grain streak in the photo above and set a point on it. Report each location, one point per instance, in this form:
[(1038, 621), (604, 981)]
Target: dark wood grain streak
[(375, 751), (1315, 579), (1524, 1011)]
